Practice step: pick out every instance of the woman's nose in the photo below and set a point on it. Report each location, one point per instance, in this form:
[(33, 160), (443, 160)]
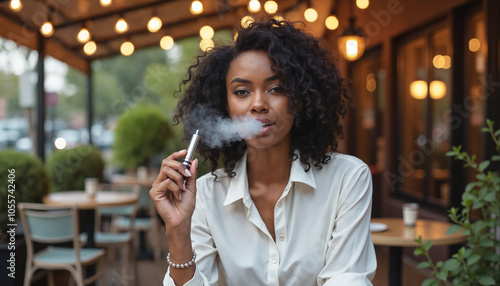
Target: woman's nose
[(259, 103)]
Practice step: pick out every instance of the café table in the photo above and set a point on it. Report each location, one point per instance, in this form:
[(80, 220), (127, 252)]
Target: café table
[(397, 235)]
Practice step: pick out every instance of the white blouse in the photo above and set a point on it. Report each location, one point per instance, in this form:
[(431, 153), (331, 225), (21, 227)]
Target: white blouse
[(321, 222)]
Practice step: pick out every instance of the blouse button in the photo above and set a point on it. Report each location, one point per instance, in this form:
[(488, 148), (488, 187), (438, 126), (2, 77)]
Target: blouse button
[(275, 260), (280, 204), (282, 237)]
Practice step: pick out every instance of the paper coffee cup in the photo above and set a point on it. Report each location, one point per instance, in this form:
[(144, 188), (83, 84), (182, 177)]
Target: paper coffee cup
[(410, 214), (91, 185)]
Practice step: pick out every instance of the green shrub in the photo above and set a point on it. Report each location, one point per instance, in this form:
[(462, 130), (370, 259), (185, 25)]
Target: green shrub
[(29, 179), (68, 168), (141, 133), (477, 262)]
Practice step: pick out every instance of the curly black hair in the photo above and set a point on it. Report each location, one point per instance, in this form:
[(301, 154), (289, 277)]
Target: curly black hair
[(307, 75)]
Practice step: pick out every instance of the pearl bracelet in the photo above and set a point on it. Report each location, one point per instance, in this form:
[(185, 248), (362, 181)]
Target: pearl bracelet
[(182, 265)]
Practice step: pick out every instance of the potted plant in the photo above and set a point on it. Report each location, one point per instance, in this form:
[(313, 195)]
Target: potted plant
[(141, 133), (23, 179), (68, 168), (478, 261)]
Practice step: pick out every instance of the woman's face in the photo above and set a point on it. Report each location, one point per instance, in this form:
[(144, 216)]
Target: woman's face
[(254, 90)]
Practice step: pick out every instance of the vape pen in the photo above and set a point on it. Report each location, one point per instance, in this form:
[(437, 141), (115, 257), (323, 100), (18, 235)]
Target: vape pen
[(191, 149)]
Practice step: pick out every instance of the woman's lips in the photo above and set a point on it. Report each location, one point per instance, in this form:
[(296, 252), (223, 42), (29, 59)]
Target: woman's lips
[(266, 127)]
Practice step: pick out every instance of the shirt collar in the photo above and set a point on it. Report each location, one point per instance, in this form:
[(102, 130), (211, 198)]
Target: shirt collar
[(238, 185)]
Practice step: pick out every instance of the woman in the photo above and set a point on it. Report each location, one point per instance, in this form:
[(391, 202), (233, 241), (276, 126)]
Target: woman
[(285, 209)]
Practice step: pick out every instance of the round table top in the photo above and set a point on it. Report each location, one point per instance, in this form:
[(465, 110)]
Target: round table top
[(133, 180), (397, 234), (83, 201)]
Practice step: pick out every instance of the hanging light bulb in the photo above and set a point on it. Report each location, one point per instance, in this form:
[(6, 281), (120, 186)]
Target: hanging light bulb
[(83, 36), (154, 24), (362, 4), (271, 7), (105, 3), (196, 8), (206, 32), (331, 22), (310, 15), (352, 42), (47, 29), (127, 48), (121, 26), (254, 6), (89, 48), (16, 5), (167, 42)]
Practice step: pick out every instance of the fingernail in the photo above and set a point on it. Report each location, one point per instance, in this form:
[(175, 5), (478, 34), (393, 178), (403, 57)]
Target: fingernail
[(184, 186), (188, 173), (182, 150), (180, 196), (195, 163)]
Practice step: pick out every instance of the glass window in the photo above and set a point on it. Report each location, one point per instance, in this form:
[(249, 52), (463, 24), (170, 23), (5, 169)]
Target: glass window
[(475, 85), (424, 100)]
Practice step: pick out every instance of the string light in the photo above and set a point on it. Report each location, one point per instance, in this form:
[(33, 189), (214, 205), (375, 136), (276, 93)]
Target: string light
[(167, 42), (206, 44), (83, 36), (196, 8), (47, 29), (254, 6), (362, 4), (105, 3), (246, 21), (16, 5), (121, 26), (89, 48), (206, 32), (154, 24), (331, 22), (310, 15), (271, 7), (127, 48)]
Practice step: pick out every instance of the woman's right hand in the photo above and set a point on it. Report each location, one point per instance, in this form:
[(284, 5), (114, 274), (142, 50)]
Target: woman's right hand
[(173, 197)]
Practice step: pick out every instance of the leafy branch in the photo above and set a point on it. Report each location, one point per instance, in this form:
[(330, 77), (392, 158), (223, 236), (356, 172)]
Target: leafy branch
[(477, 262)]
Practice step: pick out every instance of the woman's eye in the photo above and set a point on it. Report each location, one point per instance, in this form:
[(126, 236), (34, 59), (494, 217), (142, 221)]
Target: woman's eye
[(240, 92), (276, 89)]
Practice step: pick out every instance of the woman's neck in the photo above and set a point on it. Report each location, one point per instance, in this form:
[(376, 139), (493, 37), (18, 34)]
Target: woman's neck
[(268, 166)]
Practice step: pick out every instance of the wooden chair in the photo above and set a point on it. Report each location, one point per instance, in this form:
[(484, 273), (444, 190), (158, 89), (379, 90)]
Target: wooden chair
[(148, 223), (53, 225), (114, 239)]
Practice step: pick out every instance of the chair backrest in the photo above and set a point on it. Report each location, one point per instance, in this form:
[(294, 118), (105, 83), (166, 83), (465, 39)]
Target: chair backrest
[(129, 210), (49, 224)]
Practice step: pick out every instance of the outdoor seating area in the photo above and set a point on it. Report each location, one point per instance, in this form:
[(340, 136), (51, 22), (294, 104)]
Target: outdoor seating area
[(88, 102)]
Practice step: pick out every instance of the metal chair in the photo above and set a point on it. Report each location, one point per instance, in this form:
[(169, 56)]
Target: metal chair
[(54, 225)]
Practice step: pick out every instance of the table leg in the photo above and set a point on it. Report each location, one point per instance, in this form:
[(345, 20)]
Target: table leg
[(395, 254)]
